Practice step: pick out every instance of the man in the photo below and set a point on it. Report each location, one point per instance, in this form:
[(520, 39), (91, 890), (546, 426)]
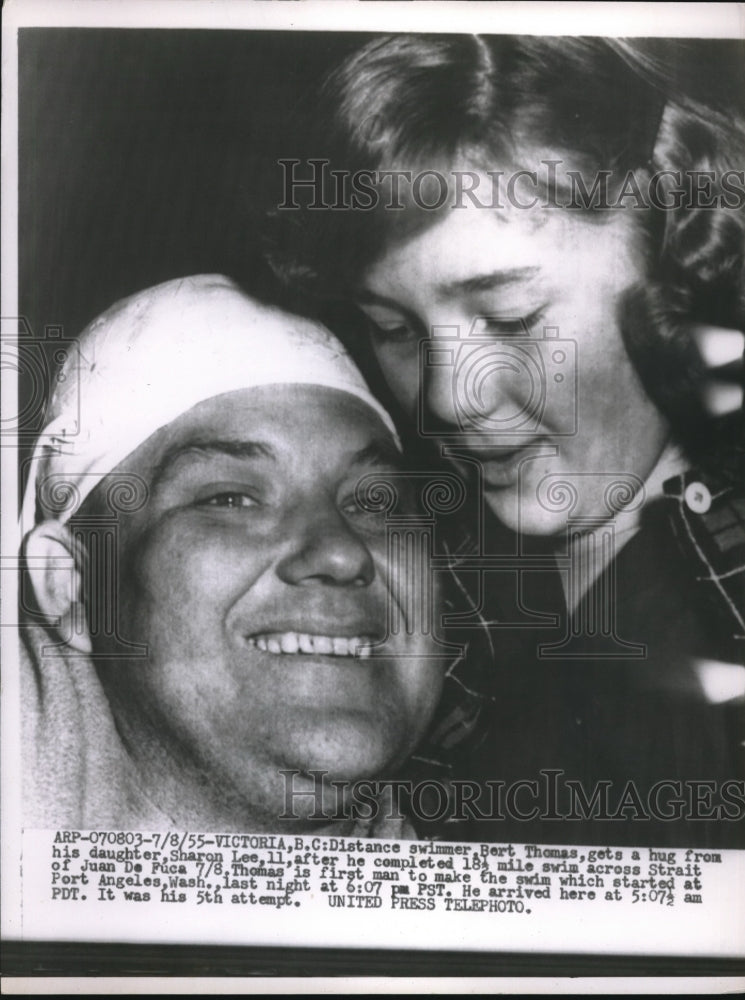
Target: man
[(213, 601), (533, 295)]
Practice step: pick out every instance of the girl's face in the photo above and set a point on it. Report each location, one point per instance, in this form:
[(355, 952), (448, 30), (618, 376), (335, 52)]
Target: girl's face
[(499, 333)]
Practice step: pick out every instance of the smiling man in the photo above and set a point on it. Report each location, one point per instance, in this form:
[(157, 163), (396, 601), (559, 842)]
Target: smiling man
[(215, 591)]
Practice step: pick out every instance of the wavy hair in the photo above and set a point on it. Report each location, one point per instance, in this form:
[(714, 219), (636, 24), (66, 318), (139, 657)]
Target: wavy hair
[(414, 102)]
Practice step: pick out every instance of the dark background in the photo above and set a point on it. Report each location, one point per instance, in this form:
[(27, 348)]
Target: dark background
[(146, 155)]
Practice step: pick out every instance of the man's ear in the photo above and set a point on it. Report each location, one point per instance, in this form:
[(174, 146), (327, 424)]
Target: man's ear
[(55, 564)]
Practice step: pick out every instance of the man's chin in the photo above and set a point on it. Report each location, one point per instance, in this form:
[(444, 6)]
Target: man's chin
[(317, 795), (351, 750)]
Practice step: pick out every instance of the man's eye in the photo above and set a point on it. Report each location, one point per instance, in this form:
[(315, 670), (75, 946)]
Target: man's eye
[(357, 505), (384, 496), (363, 505), (229, 501)]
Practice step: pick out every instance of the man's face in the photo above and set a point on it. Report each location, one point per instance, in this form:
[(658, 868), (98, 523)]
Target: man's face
[(254, 576), (532, 415)]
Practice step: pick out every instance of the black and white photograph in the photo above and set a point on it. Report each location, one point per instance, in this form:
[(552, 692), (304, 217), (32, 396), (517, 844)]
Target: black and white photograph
[(373, 490)]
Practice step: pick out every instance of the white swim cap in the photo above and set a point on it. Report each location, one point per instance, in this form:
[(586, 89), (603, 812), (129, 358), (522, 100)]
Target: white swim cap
[(155, 355)]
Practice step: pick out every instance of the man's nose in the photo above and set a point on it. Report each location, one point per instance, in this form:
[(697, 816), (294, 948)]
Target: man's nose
[(326, 550)]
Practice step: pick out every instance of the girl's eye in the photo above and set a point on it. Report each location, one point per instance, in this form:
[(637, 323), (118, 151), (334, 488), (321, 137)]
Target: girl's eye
[(510, 326), (229, 501), (506, 327), (391, 333)]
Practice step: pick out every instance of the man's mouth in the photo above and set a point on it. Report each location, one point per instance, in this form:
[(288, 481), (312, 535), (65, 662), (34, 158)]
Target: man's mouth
[(290, 643)]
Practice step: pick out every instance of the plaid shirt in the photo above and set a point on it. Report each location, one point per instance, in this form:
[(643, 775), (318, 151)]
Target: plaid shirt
[(706, 517)]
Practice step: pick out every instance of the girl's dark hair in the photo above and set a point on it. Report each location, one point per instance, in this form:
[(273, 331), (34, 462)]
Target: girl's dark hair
[(417, 102)]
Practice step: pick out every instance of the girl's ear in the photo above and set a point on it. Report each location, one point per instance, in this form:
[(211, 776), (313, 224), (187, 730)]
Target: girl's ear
[(55, 564)]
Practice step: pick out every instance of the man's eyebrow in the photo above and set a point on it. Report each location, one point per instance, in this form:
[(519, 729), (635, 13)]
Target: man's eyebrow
[(378, 452), (207, 448)]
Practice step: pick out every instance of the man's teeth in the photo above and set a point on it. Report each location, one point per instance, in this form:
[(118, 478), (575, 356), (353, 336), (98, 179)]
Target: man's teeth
[(304, 642)]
